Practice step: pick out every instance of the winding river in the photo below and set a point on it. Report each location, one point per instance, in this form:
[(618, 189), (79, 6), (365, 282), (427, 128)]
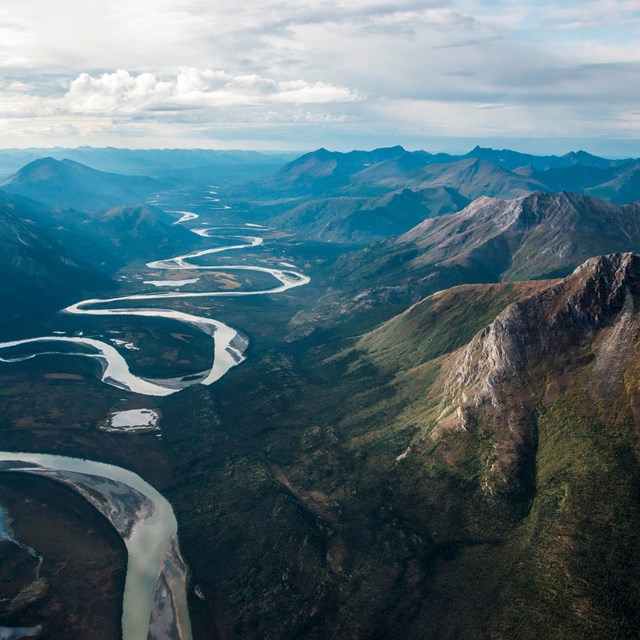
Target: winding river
[(228, 345), (155, 605)]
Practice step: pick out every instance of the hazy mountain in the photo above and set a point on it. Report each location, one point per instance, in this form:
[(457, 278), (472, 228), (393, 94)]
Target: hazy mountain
[(322, 172), (365, 220), (514, 159), (622, 188), (481, 172), (382, 170), (575, 178), (154, 162), (69, 184), (471, 177), (160, 162), (405, 162), (138, 232), (39, 271)]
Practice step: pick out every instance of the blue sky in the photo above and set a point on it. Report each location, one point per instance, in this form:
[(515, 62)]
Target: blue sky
[(433, 74)]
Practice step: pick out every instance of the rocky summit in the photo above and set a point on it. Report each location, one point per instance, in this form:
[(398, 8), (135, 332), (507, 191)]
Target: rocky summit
[(583, 327)]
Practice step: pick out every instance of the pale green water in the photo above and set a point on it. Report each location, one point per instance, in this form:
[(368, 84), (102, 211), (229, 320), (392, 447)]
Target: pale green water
[(147, 546)]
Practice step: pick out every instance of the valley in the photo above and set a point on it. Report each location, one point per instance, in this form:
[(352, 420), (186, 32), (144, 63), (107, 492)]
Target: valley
[(417, 422), (225, 352)]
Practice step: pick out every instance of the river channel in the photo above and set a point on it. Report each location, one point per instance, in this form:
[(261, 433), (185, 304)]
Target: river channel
[(155, 604)]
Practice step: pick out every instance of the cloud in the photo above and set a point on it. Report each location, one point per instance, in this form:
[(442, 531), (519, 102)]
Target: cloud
[(121, 92), (350, 68)]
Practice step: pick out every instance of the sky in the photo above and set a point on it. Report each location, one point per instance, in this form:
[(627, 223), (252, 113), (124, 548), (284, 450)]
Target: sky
[(288, 75)]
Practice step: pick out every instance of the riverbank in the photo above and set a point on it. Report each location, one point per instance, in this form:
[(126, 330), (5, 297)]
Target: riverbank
[(83, 562), (156, 574)]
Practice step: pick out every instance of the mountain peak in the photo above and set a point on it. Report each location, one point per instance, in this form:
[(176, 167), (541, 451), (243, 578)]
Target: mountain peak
[(41, 169), (506, 370), (66, 183), (611, 273)]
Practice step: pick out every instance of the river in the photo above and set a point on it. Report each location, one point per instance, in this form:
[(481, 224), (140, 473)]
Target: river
[(155, 604), (154, 593), (228, 345)]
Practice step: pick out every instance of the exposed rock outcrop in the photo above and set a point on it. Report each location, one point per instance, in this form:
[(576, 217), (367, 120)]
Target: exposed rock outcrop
[(586, 324)]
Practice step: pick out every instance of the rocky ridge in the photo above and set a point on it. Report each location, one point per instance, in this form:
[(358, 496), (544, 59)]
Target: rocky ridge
[(521, 362)]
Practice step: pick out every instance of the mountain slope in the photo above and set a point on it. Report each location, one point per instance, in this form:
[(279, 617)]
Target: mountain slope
[(586, 322), (471, 177), (38, 271), (624, 187), (529, 432), (365, 220), (402, 522), (536, 236), (139, 232), (440, 323), (322, 172), (65, 183)]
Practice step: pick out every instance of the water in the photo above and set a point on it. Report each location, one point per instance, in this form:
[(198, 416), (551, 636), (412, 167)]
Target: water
[(142, 516), (228, 345)]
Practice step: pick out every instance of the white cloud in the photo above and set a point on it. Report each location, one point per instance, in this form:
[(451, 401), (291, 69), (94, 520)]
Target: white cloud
[(121, 92), (141, 66)]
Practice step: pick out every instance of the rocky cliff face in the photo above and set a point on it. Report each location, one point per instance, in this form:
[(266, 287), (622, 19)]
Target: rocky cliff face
[(585, 326)]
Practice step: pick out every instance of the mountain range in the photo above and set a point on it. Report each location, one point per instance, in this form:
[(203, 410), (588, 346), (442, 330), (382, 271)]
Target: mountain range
[(535, 236), (324, 172), (230, 166), (330, 196), (69, 184), (436, 438)]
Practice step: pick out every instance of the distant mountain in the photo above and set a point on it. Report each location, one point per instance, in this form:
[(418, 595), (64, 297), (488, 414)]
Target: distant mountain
[(514, 159), (69, 184), (471, 177), (622, 188), (138, 232), (365, 220), (576, 178), (376, 173), (405, 162), (109, 239), (322, 172), (360, 197), (156, 163), (482, 171), (617, 183), (39, 272), (51, 258)]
